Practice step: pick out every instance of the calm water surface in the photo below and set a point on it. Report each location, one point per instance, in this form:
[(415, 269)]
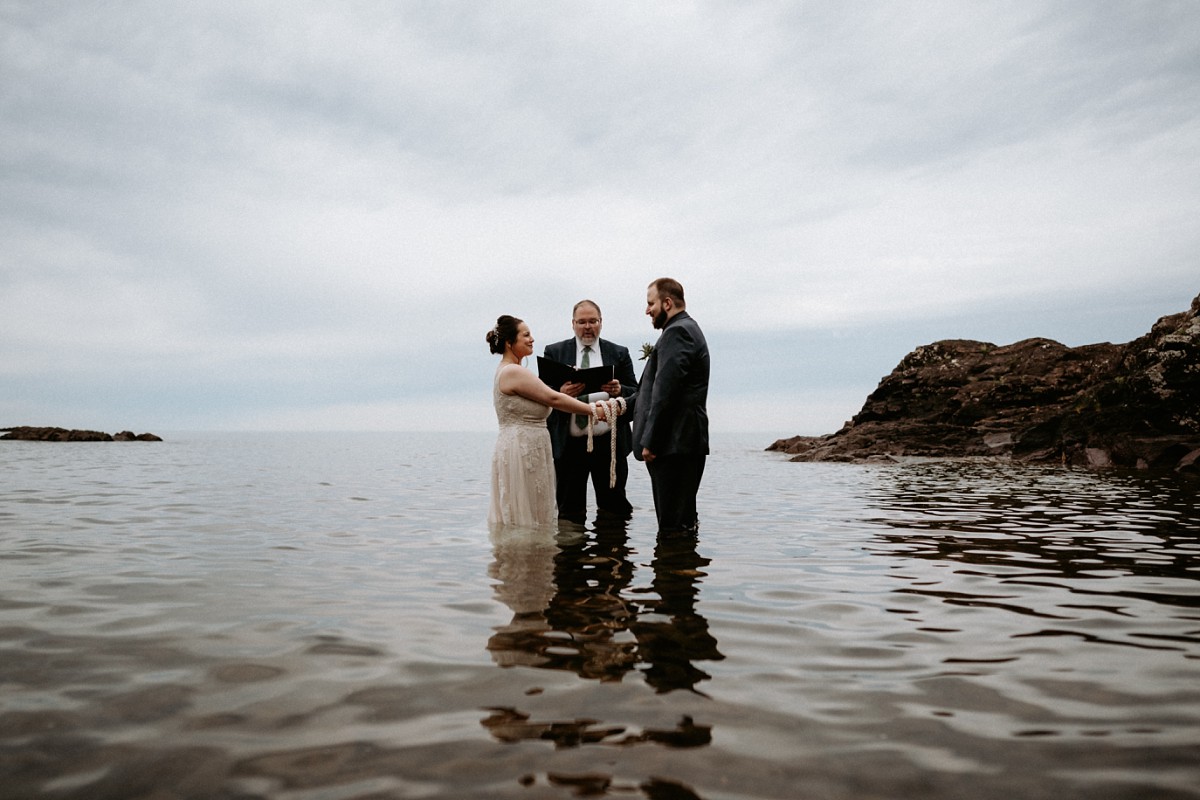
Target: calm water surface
[(328, 616)]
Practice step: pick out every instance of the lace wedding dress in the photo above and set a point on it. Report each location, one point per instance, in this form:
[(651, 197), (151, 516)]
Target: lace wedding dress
[(522, 464)]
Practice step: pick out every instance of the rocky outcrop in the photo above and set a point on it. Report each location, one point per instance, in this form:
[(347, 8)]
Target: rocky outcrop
[(1135, 405), (130, 436), (28, 433)]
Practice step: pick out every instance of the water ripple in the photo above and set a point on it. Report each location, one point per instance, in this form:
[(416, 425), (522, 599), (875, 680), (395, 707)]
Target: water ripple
[(328, 616)]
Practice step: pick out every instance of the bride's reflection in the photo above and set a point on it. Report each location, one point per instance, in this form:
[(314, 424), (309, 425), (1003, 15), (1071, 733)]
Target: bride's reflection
[(523, 567), (565, 591), (573, 606)]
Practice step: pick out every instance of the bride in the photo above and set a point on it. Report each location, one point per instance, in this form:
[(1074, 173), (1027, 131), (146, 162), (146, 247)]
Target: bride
[(522, 464)]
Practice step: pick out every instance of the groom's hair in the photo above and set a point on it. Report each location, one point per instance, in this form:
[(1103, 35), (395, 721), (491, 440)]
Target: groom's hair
[(669, 287)]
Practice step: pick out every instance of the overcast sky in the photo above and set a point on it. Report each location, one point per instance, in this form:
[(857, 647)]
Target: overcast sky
[(305, 215)]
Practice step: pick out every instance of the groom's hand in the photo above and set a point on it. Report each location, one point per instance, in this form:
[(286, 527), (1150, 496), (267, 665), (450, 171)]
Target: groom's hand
[(647, 455)]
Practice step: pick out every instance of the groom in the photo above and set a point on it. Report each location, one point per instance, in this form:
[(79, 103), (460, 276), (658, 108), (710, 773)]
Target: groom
[(573, 464), (670, 414)]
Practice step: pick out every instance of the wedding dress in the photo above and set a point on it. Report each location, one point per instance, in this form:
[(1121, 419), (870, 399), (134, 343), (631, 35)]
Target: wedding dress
[(522, 463)]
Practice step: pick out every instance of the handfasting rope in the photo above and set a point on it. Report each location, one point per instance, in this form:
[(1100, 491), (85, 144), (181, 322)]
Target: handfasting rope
[(613, 408)]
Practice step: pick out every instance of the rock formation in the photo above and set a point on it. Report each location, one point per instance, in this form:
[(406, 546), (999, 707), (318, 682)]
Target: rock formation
[(1134, 405), (28, 433)]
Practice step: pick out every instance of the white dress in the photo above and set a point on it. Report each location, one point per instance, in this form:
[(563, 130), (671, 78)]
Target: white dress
[(522, 463)]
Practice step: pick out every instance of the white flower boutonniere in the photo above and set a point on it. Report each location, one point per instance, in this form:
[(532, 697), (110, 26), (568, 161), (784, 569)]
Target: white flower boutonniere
[(647, 349)]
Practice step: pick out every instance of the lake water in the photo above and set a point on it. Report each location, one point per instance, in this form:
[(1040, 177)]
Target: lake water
[(327, 616)]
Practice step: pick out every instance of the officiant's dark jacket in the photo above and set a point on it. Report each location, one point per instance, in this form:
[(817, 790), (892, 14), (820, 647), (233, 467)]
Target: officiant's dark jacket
[(611, 354), (670, 414)]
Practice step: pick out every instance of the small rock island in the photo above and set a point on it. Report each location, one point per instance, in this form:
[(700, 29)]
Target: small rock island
[(29, 433), (1130, 405)]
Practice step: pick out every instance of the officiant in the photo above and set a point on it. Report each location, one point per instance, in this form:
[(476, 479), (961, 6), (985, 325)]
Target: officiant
[(573, 464)]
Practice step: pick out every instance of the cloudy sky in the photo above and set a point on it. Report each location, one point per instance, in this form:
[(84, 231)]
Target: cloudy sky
[(305, 215)]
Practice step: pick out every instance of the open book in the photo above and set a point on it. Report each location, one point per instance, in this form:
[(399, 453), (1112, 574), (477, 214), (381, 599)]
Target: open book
[(555, 374)]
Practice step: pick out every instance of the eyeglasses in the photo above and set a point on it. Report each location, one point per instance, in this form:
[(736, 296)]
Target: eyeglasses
[(593, 321)]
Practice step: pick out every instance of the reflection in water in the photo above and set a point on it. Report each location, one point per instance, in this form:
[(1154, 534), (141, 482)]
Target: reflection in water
[(306, 619), (565, 594), (1060, 521), (1055, 544), (510, 725), (570, 595), (671, 634), (574, 609), (524, 572)]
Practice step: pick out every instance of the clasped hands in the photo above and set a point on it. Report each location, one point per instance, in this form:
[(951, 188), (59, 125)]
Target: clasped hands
[(600, 407)]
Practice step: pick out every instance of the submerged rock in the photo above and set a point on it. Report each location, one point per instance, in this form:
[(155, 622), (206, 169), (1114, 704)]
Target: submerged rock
[(1136, 404), (27, 433)]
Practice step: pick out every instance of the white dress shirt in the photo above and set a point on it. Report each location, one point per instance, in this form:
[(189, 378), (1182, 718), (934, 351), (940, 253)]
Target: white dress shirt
[(594, 360)]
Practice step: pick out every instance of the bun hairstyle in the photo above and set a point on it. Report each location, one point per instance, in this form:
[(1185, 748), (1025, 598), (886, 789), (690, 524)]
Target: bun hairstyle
[(505, 333)]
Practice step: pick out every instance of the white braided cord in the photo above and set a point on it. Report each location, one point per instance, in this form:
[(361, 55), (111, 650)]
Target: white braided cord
[(613, 408)]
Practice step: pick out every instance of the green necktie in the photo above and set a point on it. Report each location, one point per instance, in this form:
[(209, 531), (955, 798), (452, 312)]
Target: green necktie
[(581, 419)]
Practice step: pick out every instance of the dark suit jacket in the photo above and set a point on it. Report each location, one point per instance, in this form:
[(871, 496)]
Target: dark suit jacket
[(670, 414), (614, 354)]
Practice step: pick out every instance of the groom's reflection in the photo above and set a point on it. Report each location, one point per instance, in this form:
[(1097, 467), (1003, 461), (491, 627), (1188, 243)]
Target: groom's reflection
[(671, 635), (573, 608)]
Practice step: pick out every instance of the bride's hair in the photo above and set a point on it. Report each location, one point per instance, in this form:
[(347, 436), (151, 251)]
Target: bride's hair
[(504, 333)]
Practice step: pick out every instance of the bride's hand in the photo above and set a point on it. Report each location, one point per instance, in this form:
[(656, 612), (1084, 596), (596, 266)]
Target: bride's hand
[(600, 410)]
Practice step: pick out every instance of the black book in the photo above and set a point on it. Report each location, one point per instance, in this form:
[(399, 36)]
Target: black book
[(555, 374)]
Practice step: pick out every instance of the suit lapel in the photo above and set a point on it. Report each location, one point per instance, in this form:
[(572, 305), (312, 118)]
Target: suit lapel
[(647, 378)]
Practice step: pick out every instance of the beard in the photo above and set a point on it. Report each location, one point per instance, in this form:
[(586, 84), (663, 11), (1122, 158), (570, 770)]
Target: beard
[(660, 320)]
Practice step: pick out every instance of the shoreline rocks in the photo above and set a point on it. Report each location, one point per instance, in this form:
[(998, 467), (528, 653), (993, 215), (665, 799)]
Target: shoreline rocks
[(28, 433), (1036, 401)]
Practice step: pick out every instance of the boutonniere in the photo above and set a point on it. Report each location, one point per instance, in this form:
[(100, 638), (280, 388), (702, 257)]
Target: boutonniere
[(647, 349)]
